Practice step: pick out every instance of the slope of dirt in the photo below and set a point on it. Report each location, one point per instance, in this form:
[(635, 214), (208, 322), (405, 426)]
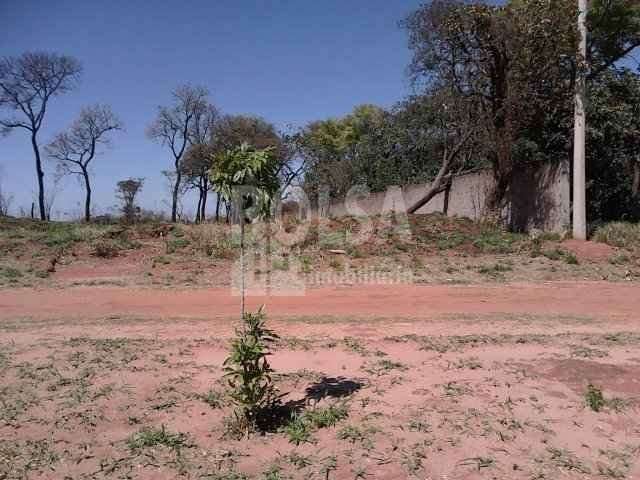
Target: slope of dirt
[(430, 249)]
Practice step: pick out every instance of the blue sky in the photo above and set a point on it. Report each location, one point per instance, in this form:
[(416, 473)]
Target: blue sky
[(288, 61)]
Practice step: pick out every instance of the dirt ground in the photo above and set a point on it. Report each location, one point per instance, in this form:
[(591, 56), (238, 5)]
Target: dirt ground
[(437, 382), (485, 355)]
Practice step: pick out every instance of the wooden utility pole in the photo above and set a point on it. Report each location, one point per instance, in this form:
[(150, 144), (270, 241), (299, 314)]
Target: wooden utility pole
[(579, 140)]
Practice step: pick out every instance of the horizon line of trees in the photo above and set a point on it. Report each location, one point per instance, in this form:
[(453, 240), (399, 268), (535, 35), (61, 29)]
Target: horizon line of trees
[(494, 88)]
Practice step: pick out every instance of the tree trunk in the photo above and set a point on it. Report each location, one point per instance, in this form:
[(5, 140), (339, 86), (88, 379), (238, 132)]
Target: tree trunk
[(203, 214), (447, 194), (218, 208), (87, 201), (176, 192), (40, 173), (444, 174), (635, 181), (198, 207)]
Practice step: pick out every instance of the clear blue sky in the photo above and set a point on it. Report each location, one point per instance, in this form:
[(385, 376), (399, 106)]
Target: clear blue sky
[(290, 61)]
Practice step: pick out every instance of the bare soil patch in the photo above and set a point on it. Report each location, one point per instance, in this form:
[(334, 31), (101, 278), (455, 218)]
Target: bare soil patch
[(425, 389)]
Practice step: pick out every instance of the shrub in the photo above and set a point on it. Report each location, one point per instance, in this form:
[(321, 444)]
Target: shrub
[(560, 254), (248, 372), (213, 242), (176, 244), (570, 258), (619, 234), (10, 273), (106, 249)]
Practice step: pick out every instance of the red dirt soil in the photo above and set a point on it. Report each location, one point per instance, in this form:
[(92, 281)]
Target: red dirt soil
[(590, 251), (400, 301), (451, 382)]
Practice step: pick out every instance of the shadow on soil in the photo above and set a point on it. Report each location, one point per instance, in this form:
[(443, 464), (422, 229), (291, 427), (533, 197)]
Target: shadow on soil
[(281, 414)]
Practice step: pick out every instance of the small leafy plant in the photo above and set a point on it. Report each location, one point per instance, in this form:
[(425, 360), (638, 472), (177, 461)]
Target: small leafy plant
[(594, 398), (248, 372)]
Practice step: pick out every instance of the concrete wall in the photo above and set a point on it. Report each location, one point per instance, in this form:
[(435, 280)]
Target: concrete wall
[(538, 199)]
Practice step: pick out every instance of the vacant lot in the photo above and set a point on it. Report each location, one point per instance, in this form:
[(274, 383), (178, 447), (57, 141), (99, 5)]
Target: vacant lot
[(498, 395), (462, 374)]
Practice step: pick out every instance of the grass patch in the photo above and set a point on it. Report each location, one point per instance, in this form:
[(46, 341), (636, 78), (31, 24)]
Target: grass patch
[(619, 259), (383, 366), (10, 273), (619, 234), (153, 437), (558, 254), (213, 398), (496, 241), (495, 270), (301, 426)]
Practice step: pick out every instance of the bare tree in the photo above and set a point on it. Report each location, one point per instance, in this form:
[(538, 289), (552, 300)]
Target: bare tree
[(126, 192), (5, 198), (198, 157), (27, 83), (77, 147), (195, 169), (173, 126)]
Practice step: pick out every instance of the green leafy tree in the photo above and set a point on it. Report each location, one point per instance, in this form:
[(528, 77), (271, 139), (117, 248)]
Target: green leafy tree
[(516, 62), (613, 140), (337, 152), (247, 177), (126, 192)]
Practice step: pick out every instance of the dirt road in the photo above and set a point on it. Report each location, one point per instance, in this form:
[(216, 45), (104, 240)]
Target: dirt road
[(379, 301)]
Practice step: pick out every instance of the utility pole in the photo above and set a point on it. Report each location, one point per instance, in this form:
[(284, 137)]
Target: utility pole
[(579, 139)]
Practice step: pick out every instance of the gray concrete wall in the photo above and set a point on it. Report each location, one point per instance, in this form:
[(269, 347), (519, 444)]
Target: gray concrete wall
[(538, 199)]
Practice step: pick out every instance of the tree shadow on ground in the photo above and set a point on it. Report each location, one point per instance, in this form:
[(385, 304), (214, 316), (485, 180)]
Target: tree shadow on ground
[(280, 414), (334, 387)]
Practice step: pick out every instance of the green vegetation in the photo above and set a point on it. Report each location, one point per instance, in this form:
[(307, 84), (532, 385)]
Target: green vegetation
[(619, 234), (594, 398), (248, 372), (152, 437), (301, 426), (213, 398), (561, 254)]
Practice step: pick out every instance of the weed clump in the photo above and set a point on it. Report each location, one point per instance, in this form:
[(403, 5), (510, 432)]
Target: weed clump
[(594, 398), (301, 426), (152, 437), (106, 249)]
